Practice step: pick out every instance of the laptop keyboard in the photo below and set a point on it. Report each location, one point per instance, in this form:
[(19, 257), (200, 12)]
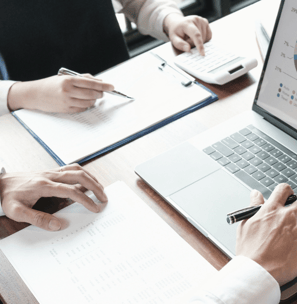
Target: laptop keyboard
[(256, 159)]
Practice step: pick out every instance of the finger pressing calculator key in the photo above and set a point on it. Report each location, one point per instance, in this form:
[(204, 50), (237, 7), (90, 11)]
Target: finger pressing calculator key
[(217, 66)]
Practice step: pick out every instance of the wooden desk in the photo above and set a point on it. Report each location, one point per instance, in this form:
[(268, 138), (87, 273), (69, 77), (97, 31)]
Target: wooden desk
[(20, 152)]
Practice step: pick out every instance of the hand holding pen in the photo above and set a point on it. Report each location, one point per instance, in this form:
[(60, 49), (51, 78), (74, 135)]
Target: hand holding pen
[(270, 237), (64, 71), (246, 213), (57, 94)]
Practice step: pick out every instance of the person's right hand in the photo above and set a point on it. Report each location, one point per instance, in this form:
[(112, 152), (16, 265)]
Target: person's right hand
[(20, 191), (270, 236), (186, 32), (64, 94)]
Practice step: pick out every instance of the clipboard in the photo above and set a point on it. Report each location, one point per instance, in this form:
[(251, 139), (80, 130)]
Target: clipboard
[(144, 74)]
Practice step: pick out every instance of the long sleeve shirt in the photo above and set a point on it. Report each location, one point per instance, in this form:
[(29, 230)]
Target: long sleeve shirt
[(241, 281), (148, 15)]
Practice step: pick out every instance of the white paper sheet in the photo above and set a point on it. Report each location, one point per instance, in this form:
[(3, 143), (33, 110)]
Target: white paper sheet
[(158, 95), (127, 254)]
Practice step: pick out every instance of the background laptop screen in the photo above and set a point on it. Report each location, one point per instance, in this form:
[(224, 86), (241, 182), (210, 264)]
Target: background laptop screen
[(278, 94)]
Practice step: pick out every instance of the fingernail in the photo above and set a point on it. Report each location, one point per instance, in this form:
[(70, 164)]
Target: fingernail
[(54, 225), (254, 192), (105, 198), (186, 48)]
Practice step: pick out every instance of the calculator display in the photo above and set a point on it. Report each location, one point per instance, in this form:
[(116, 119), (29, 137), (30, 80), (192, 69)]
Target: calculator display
[(228, 64)]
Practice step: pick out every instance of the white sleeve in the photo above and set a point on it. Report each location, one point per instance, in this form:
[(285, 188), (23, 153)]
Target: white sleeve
[(4, 89), (149, 14), (2, 171), (241, 281)]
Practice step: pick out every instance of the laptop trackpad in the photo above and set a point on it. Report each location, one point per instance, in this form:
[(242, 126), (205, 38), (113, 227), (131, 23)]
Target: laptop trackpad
[(207, 202)]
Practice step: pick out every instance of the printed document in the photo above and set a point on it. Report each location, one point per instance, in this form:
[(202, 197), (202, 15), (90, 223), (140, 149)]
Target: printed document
[(125, 254)]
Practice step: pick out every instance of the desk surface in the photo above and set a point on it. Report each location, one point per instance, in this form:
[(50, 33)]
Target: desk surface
[(20, 152)]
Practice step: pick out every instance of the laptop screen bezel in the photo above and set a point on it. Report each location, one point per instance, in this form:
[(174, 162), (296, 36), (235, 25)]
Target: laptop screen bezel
[(268, 116)]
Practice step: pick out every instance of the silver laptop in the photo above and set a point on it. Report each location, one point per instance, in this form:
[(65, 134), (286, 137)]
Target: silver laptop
[(213, 173)]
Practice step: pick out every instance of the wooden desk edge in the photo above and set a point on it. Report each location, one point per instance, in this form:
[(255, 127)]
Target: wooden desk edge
[(12, 284)]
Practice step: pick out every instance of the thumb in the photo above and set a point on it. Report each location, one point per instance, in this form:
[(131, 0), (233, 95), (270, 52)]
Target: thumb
[(41, 219), (256, 198), (180, 44)]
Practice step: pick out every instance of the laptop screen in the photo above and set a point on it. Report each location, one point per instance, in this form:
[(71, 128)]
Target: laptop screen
[(277, 91)]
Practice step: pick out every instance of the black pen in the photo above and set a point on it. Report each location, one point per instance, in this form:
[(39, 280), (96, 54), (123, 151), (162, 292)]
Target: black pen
[(246, 213)]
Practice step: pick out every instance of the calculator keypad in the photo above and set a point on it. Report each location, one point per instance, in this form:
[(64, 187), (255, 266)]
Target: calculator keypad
[(214, 58)]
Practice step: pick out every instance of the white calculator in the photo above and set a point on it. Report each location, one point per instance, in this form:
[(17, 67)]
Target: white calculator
[(218, 66)]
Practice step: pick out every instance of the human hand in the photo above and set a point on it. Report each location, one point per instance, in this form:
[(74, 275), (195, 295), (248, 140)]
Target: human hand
[(65, 94), (187, 32), (20, 191), (270, 236)]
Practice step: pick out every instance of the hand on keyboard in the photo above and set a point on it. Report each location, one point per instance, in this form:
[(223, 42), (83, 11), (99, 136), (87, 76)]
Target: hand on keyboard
[(187, 32)]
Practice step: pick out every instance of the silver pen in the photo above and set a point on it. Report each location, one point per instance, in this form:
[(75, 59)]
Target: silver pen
[(64, 71)]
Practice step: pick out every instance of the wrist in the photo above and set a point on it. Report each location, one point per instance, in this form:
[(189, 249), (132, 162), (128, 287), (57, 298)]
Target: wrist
[(22, 95), (272, 268), (14, 97), (169, 21)]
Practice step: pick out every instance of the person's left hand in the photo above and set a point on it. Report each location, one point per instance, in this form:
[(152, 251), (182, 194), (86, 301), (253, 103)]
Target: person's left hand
[(187, 32)]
